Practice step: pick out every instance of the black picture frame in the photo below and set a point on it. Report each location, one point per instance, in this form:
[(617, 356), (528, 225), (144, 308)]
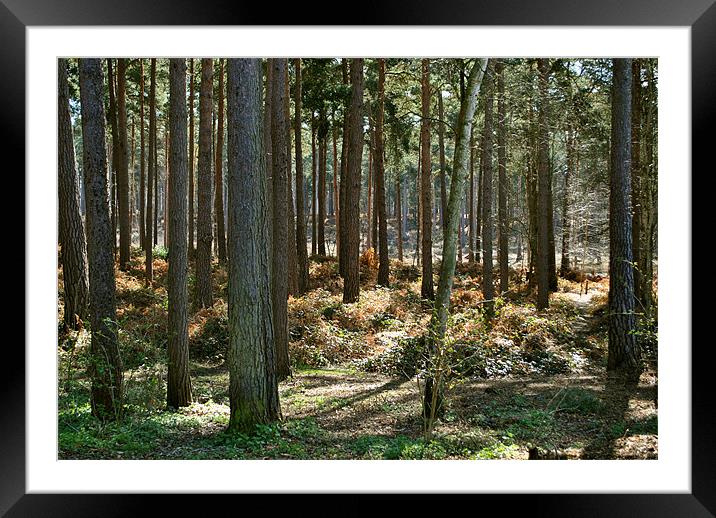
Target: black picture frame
[(700, 15)]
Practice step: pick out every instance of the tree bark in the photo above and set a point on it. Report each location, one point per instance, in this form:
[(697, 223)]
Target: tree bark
[(503, 238), (383, 266), (203, 294), (219, 171), (104, 362), (280, 218), (192, 189), (151, 175), (432, 397), (301, 245), (488, 288), (178, 380), (71, 227), (291, 226), (426, 287), (125, 229), (351, 284), (624, 355), (253, 388), (142, 158), (322, 134), (543, 191), (441, 139)]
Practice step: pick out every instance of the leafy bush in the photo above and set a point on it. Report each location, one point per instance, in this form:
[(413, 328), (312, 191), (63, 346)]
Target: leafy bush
[(160, 252)]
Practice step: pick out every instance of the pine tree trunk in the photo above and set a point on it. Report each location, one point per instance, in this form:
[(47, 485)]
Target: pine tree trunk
[(142, 159), (253, 389), (503, 239), (433, 395), (301, 245), (219, 172), (383, 266), (192, 251), (543, 192), (291, 226), (203, 297), (488, 288), (322, 145), (566, 207), (71, 227), (342, 195), (624, 353), (426, 287), (443, 173), (178, 380), (351, 285), (151, 176), (112, 118), (636, 178), (125, 229), (314, 196), (104, 361), (280, 217)]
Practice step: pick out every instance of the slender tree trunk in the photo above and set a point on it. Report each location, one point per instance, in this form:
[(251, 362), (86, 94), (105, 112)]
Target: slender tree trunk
[(114, 163), (351, 285), (369, 186), (151, 174), (636, 178), (142, 157), (203, 297), (624, 355), (322, 146), (71, 227), (443, 181), (280, 219), (178, 380), (219, 171), (399, 214), (104, 361), (477, 207), (253, 388), (471, 202), (503, 238), (291, 227), (125, 229), (336, 203), (433, 395), (314, 169), (488, 288), (342, 195), (426, 288), (566, 207), (543, 191), (383, 265), (301, 246), (192, 195)]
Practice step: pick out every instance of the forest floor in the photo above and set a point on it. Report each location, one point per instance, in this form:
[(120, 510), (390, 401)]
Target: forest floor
[(525, 379)]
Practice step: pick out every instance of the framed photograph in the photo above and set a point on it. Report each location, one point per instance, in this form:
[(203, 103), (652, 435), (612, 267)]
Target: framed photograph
[(678, 479)]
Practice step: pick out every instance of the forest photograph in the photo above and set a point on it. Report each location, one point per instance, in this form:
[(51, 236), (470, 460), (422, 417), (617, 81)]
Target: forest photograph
[(357, 258)]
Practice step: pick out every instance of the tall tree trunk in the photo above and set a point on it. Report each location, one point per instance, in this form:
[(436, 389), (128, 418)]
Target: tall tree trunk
[(543, 191), (104, 362), (291, 227), (125, 229), (383, 266), (336, 207), (322, 145), (203, 297), (566, 206), (369, 187), (151, 174), (342, 195), (219, 171), (280, 219), (443, 181), (114, 165), (471, 202), (253, 388), (488, 288), (178, 380), (351, 284), (142, 157), (433, 395), (314, 169), (624, 353), (503, 238), (478, 204), (636, 178), (426, 287), (398, 196), (71, 227), (301, 246), (192, 195)]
